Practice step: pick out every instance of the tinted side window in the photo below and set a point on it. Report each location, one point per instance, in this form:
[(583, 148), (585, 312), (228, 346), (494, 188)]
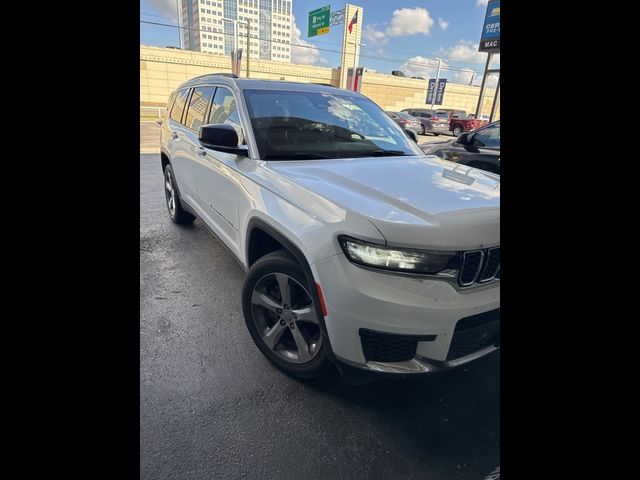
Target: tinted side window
[(178, 105), (224, 110), (198, 107), (488, 137)]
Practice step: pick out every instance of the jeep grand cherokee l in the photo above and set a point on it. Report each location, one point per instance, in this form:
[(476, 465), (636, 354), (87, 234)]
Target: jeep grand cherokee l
[(359, 249)]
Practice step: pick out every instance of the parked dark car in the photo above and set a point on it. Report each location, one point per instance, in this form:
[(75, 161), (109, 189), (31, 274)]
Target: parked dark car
[(431, 121), (405, 120), (478, 148)]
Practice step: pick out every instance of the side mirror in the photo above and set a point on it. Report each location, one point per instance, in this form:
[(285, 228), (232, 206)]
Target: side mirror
[(463, 139), (223, 138), (411, 134)]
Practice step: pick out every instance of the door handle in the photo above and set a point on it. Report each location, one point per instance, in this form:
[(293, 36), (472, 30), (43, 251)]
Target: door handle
[(200, 151), (174, 135)]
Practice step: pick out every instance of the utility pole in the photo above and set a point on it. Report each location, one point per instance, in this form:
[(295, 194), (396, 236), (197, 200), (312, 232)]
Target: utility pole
[(435, 85), (179, 24), (248, 43)]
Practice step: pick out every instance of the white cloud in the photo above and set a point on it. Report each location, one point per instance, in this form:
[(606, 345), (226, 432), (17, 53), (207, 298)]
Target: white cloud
[(409, 21), (467, 50), (443, 23), (165, 7), (421, 67), (373, 36), (306, 54), (467, 77)]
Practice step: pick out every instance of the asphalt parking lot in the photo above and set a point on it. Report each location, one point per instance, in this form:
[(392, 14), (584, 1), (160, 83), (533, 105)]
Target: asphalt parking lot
[(212, 407)]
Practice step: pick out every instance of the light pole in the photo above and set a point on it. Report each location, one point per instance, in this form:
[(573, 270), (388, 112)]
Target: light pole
[(235, 38), (355, 57), (179, 24), (435, 85)]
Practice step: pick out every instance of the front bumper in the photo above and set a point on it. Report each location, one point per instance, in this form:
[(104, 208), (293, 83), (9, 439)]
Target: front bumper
[(360, 299)]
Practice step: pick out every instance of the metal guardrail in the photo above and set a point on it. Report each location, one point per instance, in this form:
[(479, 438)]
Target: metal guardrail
[(155, 112)]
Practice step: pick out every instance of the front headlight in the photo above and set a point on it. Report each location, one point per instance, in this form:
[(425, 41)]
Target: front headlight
[(398, 259)]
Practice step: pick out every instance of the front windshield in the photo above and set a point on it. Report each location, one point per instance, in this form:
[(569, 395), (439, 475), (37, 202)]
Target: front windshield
[(306, 125)]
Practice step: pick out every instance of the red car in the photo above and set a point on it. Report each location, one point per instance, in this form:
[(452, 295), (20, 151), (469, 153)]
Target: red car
[(459, 125)]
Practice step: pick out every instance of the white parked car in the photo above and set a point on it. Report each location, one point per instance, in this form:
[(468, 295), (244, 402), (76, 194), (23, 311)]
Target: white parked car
[(360, 250)]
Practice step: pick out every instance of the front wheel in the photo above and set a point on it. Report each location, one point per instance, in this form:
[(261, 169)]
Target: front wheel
[(281, 316)]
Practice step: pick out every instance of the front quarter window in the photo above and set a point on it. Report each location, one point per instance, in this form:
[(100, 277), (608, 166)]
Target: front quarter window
[(290, 125)]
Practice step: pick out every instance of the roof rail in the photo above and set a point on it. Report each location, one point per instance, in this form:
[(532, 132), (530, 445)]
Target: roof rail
[(231, 75), (324, 84)]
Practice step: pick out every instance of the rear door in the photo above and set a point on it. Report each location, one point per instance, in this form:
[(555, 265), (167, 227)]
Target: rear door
[(194, 117), (179, 147)]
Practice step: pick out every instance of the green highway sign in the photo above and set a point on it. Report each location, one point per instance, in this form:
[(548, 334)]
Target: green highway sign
[(319, 21)]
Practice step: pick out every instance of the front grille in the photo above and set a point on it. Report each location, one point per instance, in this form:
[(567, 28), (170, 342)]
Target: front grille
[(491, 265), (471, 264), (479, 266), (475, 333), (388, 347)]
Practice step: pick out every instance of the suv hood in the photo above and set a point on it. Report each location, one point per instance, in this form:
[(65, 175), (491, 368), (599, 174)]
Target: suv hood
[(414, 201)]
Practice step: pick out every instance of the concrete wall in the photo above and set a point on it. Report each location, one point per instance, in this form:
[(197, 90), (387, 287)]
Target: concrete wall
[(164, 69)]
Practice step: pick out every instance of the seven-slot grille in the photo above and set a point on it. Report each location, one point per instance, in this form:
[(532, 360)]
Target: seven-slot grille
[(479, 266)]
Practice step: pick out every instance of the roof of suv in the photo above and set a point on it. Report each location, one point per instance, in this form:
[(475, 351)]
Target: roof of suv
[(249, 83)]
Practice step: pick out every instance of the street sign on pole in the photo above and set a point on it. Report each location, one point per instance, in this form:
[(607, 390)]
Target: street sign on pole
[(319, 21)]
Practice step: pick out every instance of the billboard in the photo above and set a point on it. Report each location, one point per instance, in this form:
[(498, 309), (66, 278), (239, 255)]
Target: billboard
[(436, 91), (490, 40)]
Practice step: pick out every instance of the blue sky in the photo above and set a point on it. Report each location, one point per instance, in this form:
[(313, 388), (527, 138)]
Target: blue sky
[(399, 35)]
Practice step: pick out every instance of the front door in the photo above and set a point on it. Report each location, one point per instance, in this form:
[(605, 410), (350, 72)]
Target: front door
[(217, 178)]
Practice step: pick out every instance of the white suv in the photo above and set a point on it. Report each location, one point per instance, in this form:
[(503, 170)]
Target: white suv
[(360, 250)]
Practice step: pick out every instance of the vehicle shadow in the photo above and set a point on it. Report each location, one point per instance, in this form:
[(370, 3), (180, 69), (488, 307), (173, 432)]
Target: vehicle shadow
[(449, 418)]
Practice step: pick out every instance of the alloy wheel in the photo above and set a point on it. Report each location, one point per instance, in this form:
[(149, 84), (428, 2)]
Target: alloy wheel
[(169, 193), (285, 318)]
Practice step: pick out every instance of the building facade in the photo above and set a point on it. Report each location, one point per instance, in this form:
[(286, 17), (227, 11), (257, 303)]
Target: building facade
[(263, 27)]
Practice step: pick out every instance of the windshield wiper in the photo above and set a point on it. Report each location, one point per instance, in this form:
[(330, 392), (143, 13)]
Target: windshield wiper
[(297, 156), (381, 153)]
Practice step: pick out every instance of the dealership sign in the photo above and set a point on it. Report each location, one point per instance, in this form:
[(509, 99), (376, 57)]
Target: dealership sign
[(490, 40), (436, 90)]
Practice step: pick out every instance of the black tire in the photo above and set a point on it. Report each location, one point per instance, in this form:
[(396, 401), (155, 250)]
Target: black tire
[(457, 131), (424, 130), (177, 214), (280, 262), (436, 134)]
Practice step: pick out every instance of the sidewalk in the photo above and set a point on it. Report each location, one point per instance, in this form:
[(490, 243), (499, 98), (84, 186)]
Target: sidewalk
[(149, 137)]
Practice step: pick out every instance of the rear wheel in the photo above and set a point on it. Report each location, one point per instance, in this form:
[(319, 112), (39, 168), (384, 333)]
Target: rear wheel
[(176, 212), (281, 316), (457, 130), (424, 130)]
